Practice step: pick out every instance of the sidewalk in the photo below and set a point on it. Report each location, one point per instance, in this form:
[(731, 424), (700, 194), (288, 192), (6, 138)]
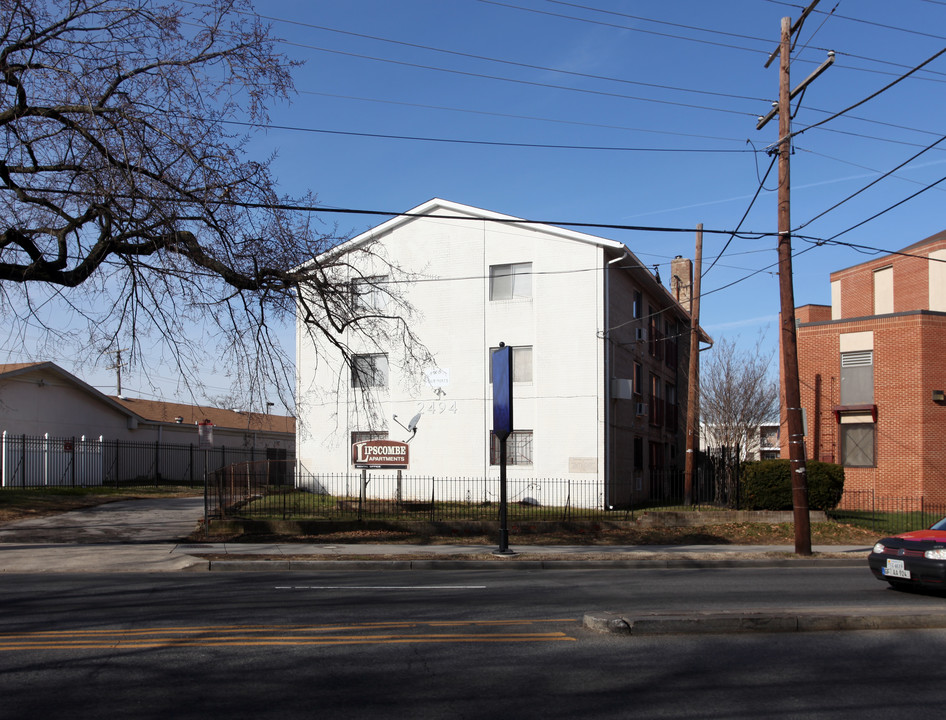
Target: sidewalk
[(289, 557)]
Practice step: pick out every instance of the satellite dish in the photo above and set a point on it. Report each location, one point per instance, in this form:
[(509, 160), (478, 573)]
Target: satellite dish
[(412, 425)]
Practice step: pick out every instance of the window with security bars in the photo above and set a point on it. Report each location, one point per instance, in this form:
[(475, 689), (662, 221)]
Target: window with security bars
[(857, 444), (857, 377), (358, 436), (518, 448)]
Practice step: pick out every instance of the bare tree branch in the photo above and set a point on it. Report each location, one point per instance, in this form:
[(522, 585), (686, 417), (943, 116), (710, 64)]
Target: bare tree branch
[(123, 192), (737, 395)]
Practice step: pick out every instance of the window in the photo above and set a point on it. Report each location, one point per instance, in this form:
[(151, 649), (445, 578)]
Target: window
[(367, 293), (509, 282), (638, 379), (671, 401), (366, 435), (521, 364), (857, 377), (518, 448), (656, 404), (638, 307), (369, 371), (857, 444)]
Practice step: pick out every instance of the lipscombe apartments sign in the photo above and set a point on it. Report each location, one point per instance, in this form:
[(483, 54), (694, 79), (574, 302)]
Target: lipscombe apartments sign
[(380, 454)]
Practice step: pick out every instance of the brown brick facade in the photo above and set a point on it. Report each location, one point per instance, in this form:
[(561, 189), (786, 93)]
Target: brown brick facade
[(909, 364)]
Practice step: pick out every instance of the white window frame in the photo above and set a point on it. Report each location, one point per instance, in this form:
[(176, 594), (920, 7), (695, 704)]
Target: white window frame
[(366, 293), (522, 365), (512, 281)]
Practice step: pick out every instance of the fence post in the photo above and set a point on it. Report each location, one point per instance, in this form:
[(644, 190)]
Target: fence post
[(3, 459), (118, 466), (73, 461)]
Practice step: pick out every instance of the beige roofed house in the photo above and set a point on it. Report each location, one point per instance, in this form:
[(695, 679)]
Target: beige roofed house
[(42, 404)]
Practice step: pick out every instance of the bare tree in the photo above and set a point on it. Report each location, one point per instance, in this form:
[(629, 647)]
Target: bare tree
[(737, 395), (128, 199)]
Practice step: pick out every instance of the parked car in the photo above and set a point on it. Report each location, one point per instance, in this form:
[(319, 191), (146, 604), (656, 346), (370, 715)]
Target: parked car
[(912, 558)]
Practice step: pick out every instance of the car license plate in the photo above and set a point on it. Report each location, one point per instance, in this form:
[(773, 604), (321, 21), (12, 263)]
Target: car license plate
[(896, 569)]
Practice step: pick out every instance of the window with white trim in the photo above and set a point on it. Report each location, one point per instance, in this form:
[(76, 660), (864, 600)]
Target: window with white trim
[(369, 371), (367, 293), (521, 364), (857, 377), (510, 282)]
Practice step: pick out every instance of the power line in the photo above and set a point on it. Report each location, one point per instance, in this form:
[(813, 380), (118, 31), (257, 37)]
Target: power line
[(502, 61), (538, 118), (872, 95), (705, 42), (531, 83), (872, 183), (492, 143)]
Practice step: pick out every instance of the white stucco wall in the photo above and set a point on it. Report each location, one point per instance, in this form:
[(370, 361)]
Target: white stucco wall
[(458, 323)]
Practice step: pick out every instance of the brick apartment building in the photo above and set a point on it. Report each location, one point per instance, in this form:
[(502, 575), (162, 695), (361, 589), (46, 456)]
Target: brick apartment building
[(873, 375)]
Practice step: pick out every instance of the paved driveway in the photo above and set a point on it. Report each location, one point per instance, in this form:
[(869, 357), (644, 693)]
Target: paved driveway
[(152, 520)]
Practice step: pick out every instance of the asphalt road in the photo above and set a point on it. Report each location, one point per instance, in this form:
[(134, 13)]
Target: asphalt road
[(462, 644)]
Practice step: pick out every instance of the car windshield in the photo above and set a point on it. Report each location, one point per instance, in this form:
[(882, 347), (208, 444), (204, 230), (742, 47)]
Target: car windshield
[(941, 525)]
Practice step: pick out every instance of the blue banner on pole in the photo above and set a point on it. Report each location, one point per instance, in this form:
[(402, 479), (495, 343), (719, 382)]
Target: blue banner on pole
[(502, 391)]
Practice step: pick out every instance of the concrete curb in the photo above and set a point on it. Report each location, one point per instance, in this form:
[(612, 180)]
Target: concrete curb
[(276, 564), (775, 621)]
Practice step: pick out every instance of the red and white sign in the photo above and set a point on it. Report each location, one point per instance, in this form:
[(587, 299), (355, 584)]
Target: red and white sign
[(380, 454)]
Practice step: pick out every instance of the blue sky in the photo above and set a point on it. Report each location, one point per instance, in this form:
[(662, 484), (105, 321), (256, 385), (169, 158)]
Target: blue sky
[(618, 113)]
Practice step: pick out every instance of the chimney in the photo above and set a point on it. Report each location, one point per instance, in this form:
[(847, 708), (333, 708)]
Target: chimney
[(681, 281)]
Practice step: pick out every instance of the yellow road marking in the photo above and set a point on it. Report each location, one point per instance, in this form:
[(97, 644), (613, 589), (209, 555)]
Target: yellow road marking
[(278, 635)]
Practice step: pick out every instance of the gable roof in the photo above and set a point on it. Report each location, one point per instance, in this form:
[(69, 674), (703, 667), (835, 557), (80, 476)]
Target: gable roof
[(158, 411), (168, 412), (449, 210)]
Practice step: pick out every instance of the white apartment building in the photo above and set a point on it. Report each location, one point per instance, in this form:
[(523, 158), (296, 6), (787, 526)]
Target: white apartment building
[(600, 352)]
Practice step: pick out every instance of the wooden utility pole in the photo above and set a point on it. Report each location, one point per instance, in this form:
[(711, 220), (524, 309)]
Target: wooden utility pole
[(693, 386), (788, 339), (791, 392), (117, 367)]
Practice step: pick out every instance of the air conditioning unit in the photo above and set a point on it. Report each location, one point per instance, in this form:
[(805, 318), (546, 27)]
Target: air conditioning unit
[(640, 334), (641, 408)]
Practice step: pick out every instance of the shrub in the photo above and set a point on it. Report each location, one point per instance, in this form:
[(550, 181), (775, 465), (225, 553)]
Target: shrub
[(767, 485)]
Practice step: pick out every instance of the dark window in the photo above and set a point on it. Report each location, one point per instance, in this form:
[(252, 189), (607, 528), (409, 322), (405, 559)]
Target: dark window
[(518, 448), (369, 371), (857, 444), (358, 436)]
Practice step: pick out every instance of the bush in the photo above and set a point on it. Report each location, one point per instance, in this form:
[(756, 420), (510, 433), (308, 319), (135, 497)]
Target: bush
[(767, 485)]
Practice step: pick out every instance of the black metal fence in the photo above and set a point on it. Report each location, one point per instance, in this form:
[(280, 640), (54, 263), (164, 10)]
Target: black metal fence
[(271, 490), (887, 515), (30, 462)]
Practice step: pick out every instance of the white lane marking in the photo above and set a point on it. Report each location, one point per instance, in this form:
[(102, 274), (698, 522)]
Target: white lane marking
[(380, 587)]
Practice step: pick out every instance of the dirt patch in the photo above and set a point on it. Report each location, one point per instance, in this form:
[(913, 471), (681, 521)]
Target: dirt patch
[(828, 533)]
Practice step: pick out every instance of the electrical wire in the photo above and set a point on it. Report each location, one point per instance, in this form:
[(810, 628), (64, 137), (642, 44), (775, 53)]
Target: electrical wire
[(871, 96), (872, 183)]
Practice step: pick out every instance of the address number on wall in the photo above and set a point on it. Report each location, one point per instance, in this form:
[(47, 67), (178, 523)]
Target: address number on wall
[(437, 407)]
